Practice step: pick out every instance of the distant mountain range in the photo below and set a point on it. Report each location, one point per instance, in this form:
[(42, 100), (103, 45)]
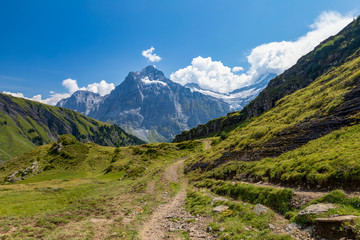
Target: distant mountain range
[(155, 109)]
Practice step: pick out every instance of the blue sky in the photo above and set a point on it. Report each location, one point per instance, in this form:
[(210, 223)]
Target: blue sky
[(45, 42)]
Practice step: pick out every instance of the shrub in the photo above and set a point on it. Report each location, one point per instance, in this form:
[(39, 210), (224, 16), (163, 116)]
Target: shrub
[(223, 135)]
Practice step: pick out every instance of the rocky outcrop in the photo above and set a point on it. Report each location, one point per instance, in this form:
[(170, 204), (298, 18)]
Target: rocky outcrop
[(23, 173), (331, 53)]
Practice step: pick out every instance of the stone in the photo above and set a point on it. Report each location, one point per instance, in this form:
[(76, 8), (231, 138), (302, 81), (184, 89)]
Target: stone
[(220, 208), (316, 209), (218, 199), (292, 227), (272, 227), (260, 209)]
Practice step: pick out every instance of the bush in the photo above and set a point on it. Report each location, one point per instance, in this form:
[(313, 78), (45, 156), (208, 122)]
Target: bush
[(223, 135)]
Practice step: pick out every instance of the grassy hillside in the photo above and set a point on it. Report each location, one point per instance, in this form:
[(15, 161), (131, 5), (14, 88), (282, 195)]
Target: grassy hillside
[(25, 124), (68, 155), (55, 191)]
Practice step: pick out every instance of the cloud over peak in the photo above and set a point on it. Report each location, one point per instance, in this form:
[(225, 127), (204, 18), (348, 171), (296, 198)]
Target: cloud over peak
[(103, 88), (150, 55)]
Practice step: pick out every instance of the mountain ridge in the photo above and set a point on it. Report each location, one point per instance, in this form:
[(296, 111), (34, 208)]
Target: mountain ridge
[(25, 124)]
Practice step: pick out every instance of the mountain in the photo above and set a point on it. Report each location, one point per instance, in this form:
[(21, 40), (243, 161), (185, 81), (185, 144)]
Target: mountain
[(238, 98), (290, 172), (331, 53), (150, 106), (25, 124), (82, 101)]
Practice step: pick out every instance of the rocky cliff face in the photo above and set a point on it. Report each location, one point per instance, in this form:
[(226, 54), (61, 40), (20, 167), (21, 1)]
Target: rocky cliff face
[(331, 53), (82, 101), (154, 108)]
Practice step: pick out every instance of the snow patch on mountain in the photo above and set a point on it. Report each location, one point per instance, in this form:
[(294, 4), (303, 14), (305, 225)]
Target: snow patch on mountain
[(146, 80)]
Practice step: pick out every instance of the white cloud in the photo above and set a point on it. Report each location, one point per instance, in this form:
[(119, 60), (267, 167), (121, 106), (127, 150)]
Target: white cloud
[(274, 57), (237, 69), (150, 55), (209, 74), (52, 100), (70, 85), (103, 88), (14, 94)]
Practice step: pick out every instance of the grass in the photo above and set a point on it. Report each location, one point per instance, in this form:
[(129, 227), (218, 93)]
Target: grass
[(329, 160), (60, 202)]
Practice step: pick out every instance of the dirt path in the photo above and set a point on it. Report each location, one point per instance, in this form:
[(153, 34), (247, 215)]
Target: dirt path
[(170, 220)]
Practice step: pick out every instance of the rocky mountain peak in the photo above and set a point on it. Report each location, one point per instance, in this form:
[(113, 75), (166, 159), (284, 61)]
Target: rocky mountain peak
[(151, 71)]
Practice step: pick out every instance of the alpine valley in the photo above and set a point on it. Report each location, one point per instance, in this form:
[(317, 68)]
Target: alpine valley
[(287, 166)]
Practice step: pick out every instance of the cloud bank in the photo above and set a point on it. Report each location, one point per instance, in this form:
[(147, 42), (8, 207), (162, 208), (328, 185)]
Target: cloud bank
[(274, 57), (103, 88), (150, 55)]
